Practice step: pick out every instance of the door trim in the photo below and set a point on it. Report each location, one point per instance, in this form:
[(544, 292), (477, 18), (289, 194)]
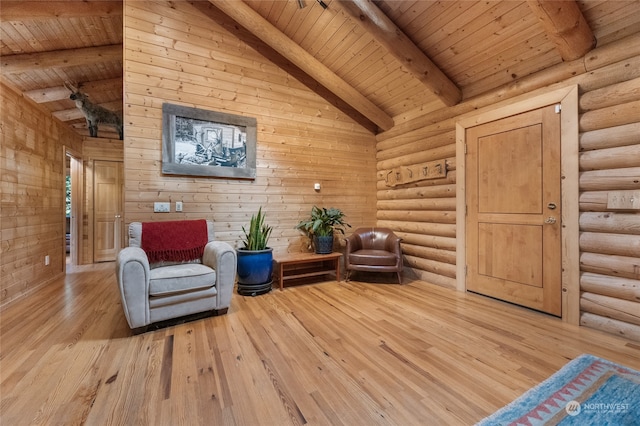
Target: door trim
[(567, 97), (76, 205)]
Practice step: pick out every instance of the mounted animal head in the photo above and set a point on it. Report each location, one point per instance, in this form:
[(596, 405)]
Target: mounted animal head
[(76, 94)]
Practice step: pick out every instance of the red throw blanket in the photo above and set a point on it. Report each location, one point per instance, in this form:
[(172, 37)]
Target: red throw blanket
[(174, 241)]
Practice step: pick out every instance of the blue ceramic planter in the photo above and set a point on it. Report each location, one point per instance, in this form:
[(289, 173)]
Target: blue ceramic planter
[(324, 244), (255, 267)]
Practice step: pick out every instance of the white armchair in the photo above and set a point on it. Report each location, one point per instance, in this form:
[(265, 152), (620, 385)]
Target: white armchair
[(167, 292)]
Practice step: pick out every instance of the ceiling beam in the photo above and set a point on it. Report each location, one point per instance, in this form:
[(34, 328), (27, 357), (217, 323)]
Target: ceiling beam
[(47, 94), (566, 27), (57, 93), (387, 33), (60, 58), (28, 10), (76, 113), (261, 28)]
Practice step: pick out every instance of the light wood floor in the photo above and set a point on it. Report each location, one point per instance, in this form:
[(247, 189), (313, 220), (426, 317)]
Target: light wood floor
[(322, 354)]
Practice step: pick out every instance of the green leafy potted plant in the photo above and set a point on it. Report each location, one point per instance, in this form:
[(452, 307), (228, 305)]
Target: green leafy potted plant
[(321, 225), (255, 259)]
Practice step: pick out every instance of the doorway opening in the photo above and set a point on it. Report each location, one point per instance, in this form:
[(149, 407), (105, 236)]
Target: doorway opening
[(73, 208)]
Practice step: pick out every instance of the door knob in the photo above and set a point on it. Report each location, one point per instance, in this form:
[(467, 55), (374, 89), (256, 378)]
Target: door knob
[(550, 220), (551, 206)]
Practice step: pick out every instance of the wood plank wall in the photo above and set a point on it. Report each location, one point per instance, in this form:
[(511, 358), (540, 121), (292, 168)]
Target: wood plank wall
[(32, 208), (174, 53), (423, 213)]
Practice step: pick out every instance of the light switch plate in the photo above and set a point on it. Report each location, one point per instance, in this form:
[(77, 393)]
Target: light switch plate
[(161, 207)]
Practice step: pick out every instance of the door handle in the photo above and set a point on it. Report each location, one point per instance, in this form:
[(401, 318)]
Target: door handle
[(550, 220)]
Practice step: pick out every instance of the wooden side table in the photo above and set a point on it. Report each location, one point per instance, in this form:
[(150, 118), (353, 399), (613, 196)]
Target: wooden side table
[(303, 265)]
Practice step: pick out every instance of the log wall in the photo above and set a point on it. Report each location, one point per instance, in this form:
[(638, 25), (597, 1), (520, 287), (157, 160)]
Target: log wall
[(609, 235), (423, 213), (32, 209), (176, 54)]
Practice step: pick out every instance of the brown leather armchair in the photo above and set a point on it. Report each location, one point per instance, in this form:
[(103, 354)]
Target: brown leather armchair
[(374, 250)]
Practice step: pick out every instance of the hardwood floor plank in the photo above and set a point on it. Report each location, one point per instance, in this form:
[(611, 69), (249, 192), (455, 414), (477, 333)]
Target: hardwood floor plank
[(327, 353)]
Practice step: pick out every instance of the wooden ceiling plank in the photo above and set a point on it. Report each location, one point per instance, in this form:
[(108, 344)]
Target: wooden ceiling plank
[(566, 27), (317, 18), (284, 17), (332, 27), (11, 39), (450, 21), (22, 10), (61, 58), (345, 36), (425, 14), (466, 27), (616, 24), (396, 42), (253, 22), (507, 61), (503, 28)]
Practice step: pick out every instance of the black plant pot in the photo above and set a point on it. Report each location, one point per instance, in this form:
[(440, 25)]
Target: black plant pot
[(324, 245), (255, 270)]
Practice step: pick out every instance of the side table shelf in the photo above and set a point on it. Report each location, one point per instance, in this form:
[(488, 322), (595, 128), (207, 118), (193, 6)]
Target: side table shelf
[(304, 265)]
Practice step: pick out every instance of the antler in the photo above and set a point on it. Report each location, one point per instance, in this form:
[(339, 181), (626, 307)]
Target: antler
[(70, 86)]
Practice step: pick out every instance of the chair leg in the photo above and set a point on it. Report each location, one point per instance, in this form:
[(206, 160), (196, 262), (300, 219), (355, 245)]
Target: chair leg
[(347, 275), (399, 277)]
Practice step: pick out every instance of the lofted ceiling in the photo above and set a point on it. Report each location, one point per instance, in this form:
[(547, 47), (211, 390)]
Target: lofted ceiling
[(386, 60)]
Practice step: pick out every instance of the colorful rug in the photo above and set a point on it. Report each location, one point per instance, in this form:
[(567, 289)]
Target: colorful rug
[(587, 391)]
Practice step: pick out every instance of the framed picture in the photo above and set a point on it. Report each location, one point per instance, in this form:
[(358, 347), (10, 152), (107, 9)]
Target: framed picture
[(197, 142)]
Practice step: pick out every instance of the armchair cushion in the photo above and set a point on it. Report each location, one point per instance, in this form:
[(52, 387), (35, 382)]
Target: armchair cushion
[(373, 257), (179, 278)]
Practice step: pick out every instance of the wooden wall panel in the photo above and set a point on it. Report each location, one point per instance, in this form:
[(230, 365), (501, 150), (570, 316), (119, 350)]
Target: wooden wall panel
[(32, 210), (423, 213), (175, 54)]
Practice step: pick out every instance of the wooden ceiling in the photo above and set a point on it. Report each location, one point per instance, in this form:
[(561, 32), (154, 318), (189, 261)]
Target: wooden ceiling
[(388, 60)]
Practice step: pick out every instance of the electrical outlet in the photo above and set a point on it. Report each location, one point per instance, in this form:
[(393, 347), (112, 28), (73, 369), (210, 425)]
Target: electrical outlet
[(47, 260), (161, 207), (178, 206)]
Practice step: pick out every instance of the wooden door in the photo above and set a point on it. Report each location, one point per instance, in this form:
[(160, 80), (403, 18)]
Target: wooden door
[(107, 196), (514, 210)]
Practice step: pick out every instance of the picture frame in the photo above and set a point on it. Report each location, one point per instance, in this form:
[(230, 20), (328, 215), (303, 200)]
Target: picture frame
[(198, 142)]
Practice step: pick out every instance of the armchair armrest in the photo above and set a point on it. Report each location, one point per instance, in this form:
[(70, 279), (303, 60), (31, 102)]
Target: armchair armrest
[(353, 243), (132, 273), (393, 243), (220, 256)]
